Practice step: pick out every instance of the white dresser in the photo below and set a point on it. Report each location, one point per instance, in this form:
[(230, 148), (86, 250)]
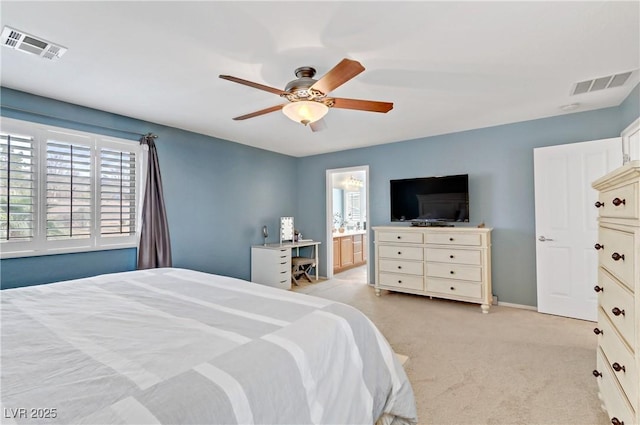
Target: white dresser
[(618, 288), (442, 262), (271, 265)]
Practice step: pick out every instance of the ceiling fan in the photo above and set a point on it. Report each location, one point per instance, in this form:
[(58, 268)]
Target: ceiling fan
[(308, 98)]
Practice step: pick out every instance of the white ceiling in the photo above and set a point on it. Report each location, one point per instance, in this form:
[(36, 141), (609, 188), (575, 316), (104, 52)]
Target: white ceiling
[(447, 66)]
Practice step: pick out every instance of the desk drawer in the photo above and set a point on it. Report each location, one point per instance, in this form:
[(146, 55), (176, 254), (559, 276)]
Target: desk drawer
[(400, 252)]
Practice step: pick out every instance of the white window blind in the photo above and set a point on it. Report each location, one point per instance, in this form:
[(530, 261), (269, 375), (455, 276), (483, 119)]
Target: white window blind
[(65, 191), (353, 207), (68, 191), (117, 193), (17, 188)]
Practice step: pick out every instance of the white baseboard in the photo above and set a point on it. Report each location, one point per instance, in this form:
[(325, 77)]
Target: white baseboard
[(522, 306)]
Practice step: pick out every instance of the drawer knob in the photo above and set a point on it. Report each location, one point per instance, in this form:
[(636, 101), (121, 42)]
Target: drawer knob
[(451, 256), (399, 267), (452, 272), (598, 331), (617, 202), (597, 374), (451, 239), (453, 288), (598, 246), (399, 237), (599, 204), (616, 421), (399, 252), (400, 282), (617, 257), (598, 288), (616, 366), (617, 312)]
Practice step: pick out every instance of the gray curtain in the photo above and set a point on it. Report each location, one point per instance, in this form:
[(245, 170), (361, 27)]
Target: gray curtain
[(154, 249)]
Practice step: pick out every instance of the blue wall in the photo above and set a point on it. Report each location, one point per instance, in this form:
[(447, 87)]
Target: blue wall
[(218, 195), (630, 107), (499, 161), (52, 268)]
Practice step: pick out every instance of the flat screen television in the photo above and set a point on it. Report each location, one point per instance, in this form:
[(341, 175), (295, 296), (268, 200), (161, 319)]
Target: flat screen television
[(431, 199)]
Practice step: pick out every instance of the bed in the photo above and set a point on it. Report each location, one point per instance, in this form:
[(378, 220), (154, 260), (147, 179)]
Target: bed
[(177, 346)]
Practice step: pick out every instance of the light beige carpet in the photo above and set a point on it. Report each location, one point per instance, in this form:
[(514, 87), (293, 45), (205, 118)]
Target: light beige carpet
[(511, 366)]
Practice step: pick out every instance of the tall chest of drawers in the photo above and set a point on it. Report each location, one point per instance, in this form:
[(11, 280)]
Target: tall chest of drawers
[(442, 262), (618, 287)]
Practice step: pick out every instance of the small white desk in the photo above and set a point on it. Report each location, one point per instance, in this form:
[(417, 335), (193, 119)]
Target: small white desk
[(271, 263)]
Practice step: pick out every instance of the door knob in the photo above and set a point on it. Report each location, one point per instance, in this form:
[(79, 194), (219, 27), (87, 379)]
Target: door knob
[(543, 239)]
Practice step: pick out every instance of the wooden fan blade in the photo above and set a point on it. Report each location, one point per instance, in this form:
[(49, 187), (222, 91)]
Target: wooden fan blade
[(319, 125), (260, 112), (340, 74), (362, 105), (252, 84)]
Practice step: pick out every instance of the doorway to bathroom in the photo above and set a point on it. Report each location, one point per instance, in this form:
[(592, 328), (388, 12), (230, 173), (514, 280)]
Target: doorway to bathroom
[(347, 201)]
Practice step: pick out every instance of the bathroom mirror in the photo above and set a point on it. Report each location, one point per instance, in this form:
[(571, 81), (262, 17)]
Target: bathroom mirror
[(286, 229)]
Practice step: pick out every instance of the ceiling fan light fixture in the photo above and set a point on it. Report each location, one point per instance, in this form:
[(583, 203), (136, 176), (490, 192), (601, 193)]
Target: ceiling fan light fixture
[(304, 111)]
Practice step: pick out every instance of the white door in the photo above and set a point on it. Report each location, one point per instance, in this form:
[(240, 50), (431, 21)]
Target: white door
[(566, 225)]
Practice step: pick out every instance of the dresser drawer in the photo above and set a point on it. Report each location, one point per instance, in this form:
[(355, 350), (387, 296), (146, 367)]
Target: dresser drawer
[(625, 205), (401, 281), (453, 239), (619, 356), (614, 298), (611, 394), (454, 256), (400, 266), (617, 244), (404, 237), (400, 252), (455, 287), (454, 271)]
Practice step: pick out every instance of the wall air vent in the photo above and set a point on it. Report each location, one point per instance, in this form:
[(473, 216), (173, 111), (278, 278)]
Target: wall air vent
[(27, 43), (601, 83)]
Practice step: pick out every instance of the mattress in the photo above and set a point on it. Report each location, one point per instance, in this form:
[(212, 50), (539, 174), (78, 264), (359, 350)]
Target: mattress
[(176, 346)]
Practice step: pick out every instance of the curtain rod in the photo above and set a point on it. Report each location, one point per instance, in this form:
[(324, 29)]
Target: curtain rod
[(11, 108)]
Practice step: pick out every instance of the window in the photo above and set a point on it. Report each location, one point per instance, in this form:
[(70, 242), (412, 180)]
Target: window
[(352, 206), (117, 193), (17, 192), (66, 191)]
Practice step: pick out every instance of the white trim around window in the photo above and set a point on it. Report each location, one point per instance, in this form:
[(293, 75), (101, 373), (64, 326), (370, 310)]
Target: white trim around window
[(66, 191)]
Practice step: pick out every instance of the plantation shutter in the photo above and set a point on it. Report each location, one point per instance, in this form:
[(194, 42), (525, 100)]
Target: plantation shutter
[(117, 193), (17, 188), (353, 206), (68, 184)]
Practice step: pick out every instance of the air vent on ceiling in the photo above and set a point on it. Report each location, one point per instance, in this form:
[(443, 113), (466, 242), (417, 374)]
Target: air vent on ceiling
[(19, 40), (601, 83)]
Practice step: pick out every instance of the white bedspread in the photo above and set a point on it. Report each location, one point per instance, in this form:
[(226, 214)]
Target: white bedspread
[(176, 346)]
